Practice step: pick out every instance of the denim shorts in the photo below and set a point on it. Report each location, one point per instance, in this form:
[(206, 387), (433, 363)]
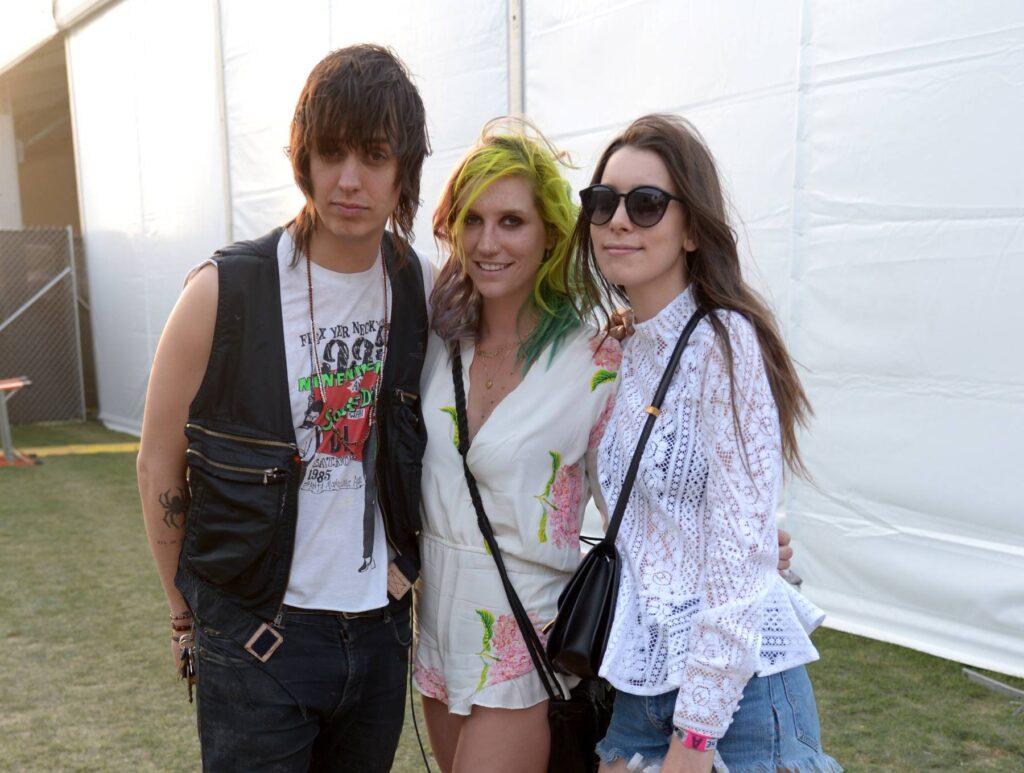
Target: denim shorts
[(775, 728)]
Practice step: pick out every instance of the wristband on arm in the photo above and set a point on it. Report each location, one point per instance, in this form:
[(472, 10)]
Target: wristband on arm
[(692, 740)]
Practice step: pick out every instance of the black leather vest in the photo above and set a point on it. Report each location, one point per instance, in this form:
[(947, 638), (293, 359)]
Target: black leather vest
[(243, 467)]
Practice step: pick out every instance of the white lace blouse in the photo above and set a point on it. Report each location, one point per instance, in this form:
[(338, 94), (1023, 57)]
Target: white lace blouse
[(701, 606)]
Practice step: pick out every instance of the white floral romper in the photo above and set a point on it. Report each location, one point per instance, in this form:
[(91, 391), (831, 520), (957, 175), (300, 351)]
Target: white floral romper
[(531, 459)]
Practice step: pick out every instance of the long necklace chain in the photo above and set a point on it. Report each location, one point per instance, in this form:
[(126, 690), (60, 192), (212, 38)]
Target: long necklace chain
[(316, 355)]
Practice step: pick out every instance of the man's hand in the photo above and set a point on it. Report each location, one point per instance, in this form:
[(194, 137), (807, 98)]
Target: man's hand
[(176, 656), (785, 551)]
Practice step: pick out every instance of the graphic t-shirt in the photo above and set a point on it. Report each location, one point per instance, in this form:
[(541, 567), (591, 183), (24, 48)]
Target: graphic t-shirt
[(340, 559)]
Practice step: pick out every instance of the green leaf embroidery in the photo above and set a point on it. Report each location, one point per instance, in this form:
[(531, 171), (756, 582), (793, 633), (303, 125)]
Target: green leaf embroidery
[(556, 462), (454, 416), (601, 376), (483, 677), (542, 530), (487, 618)]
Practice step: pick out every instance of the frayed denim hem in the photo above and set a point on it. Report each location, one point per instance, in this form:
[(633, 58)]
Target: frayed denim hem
[(609, 755), (815, 763)]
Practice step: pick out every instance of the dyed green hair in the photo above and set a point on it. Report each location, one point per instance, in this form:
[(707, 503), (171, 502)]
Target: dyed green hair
[(507, 148)]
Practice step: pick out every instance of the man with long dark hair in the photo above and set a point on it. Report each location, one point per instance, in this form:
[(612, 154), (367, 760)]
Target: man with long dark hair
[(282, 439)]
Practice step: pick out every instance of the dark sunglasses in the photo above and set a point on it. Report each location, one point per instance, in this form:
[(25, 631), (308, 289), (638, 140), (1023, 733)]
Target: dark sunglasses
[(645, 205)]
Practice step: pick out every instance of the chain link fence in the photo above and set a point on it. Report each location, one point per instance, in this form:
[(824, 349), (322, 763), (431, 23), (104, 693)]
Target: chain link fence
[(43, 312)]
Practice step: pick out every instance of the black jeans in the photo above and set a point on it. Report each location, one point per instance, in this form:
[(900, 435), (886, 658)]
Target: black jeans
[(331, 698)]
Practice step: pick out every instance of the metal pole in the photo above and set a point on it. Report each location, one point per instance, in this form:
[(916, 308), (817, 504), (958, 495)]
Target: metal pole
[(74, 313), (516, 92), (28, 304), (222, 115), (5, 430)]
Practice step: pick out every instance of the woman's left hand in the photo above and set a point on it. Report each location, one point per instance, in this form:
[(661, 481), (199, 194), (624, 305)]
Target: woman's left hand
[(785, 550), (620, 324), (682, 760)]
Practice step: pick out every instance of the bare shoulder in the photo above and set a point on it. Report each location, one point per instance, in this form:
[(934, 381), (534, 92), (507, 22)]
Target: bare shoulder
[(202, 281), (179, 365), (196, 309), (188, 336)]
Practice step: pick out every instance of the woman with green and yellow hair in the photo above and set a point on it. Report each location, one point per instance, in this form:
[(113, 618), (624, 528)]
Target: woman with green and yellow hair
[(538, 383)]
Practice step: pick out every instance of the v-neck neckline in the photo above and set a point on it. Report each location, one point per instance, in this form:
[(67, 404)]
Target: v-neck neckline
[(468, 358)]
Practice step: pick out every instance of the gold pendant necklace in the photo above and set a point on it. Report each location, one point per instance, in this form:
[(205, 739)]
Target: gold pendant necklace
[(489, 376)]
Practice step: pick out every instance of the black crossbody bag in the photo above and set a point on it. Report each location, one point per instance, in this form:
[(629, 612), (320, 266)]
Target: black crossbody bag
[(578, 720), (586, 607)]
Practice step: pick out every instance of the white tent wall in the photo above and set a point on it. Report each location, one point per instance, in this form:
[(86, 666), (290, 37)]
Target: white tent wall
[(729, 67), (151, 183), (872, 153), (456, 52), (905, 310), (24, 26)]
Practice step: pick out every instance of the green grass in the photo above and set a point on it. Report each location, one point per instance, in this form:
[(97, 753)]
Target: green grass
[(67, 434), (87, 683), (890, 708)]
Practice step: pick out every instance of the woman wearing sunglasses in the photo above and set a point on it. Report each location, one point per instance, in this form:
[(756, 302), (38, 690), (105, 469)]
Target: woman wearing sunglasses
[(704, 626)]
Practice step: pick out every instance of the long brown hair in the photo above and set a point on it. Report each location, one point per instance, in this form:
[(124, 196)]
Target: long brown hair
[(712, 270), (357, 97)]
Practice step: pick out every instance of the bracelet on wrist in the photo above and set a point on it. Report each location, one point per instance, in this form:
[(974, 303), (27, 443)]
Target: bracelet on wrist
[(692, 740), (186, 615)]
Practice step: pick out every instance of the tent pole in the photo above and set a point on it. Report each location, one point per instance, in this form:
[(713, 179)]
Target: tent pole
[(222, 111), (516, 92)]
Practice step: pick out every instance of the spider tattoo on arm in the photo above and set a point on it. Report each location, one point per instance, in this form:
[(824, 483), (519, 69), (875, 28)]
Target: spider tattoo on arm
[(175, 508)]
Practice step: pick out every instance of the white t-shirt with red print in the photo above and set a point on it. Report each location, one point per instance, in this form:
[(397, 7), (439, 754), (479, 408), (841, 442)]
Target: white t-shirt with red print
[(340, 559)]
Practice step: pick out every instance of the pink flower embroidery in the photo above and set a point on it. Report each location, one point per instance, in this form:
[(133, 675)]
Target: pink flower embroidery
[(597, 431), (607, 352), (566, 495), (511, 658), (431, 682)]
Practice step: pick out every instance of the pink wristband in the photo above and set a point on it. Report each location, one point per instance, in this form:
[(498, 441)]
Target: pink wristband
[(692, 740)]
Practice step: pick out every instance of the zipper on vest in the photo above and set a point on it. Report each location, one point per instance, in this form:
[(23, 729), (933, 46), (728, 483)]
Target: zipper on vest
[(406, 398), (270, 475), (241, 438)]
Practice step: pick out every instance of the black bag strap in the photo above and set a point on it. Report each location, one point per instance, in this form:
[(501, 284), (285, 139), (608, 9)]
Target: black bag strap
[(544, 667), (653, 411), (538, 654)]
